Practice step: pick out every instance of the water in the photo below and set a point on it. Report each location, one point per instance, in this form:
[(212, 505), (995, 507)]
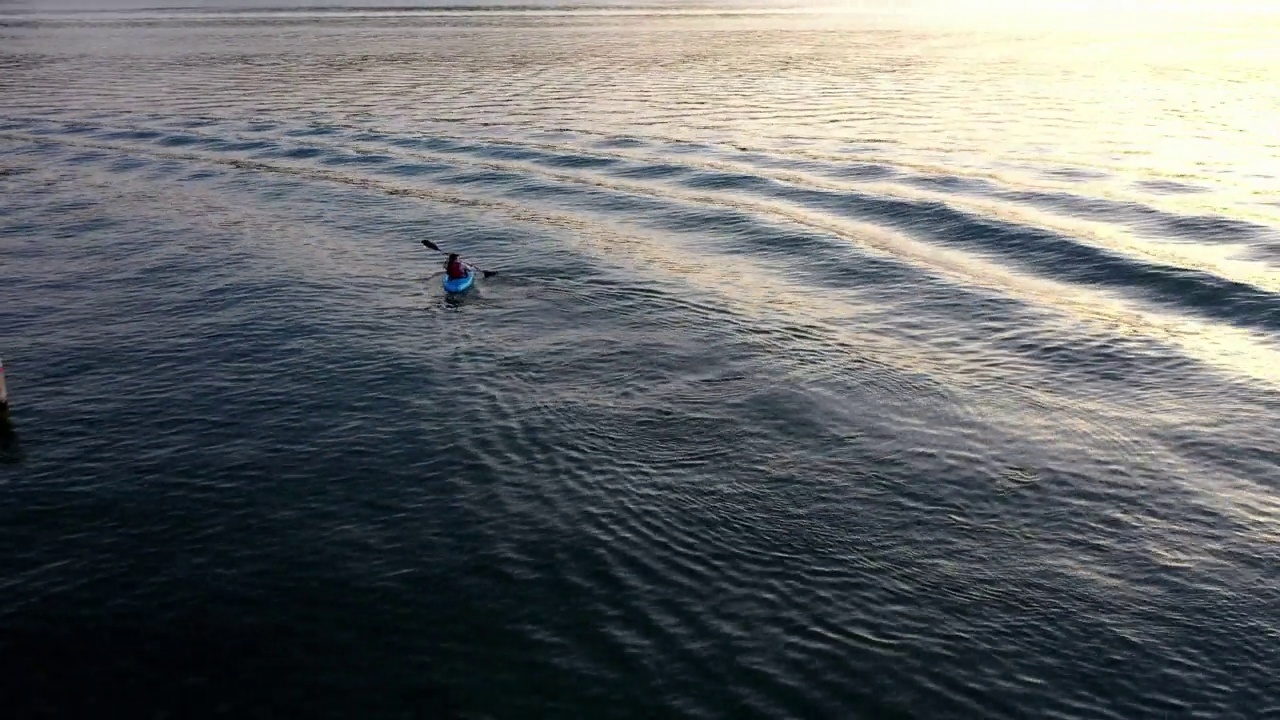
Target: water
[(836, 366)]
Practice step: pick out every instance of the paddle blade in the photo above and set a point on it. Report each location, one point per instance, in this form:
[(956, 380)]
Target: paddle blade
[(489, 273), (432, 246)]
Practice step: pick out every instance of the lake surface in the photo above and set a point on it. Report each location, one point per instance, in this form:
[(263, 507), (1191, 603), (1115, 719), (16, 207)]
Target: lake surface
[(835, 366)]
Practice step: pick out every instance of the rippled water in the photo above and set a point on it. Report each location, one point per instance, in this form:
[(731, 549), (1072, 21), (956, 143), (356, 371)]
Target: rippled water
[(834, 368)]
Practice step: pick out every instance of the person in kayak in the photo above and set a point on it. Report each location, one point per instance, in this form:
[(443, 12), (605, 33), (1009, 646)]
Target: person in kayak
[(455, 268)]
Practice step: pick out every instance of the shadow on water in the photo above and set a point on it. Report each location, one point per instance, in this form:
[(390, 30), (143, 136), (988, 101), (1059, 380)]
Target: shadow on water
[(197, 665), (456, 301), (10, 449)]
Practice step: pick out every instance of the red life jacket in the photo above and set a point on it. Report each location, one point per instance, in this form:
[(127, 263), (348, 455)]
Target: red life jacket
[(456, 270)]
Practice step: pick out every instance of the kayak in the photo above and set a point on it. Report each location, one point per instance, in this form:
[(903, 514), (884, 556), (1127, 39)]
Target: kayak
[(461, 284)]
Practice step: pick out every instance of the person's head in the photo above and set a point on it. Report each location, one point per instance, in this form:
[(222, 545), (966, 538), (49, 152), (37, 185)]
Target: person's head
[(453, 258)]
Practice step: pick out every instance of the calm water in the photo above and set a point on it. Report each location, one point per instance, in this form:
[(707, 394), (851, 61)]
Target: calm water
[(836, 367)]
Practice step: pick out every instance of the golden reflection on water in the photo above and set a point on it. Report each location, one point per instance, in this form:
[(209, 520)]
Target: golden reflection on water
[(1128, 94)]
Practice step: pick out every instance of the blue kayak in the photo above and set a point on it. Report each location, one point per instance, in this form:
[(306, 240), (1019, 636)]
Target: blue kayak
[(461, 284)]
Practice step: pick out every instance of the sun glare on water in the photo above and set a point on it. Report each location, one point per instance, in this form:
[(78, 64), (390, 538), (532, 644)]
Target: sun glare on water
[(1074, 13)]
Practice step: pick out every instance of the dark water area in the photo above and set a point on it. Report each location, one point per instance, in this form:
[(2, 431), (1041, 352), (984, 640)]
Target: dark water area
[(832, 369)]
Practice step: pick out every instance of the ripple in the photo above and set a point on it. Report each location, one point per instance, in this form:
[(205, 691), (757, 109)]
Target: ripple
[(830, 371)]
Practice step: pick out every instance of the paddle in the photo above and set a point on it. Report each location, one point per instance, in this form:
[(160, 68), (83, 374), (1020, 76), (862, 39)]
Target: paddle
[(432, 246)]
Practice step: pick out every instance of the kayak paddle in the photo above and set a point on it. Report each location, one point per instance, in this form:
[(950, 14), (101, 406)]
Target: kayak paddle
[(432, 246)]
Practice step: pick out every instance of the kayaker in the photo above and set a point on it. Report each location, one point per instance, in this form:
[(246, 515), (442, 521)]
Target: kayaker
[(455, 268)]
